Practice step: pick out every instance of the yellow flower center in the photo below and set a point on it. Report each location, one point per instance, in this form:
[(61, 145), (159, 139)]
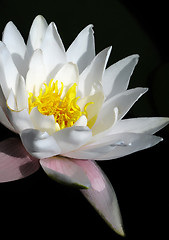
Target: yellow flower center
[(49, 102)]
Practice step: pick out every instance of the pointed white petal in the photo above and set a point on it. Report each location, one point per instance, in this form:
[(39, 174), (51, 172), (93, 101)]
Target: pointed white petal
[(115, 146), (52, 47), (101, 146), (36, 75), (11, 101), (35, 39), (21, 94), (116, 77), (15, 121), (123, 101), (36, 34), (19, 120), (140, 125), (39, 144), (82, 50), (53, 29), (68, 75), (42, 122), (93, 109), (8, 71), (15, 44), (91, 77), (102, 196), (138, 142), (19, 101), (65, 171)]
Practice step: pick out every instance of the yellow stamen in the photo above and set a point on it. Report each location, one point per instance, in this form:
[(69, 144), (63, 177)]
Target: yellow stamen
[(49, 102)]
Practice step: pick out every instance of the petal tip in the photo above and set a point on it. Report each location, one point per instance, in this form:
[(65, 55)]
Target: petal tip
[(120, 231), (135, 58), (90, 28), (9, 24), (39, 18)]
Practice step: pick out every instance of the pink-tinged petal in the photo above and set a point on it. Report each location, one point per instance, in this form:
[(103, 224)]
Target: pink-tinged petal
[(101, 195), (15, 162), (65, 171)]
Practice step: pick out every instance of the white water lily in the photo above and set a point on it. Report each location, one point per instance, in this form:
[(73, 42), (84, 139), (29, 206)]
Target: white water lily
[(67, 109)]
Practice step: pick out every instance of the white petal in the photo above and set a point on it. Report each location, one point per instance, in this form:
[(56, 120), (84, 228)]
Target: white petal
[(21, 94), (36, 36), (139, 125), (123, 101), (37, 32), (8, 71), (102, 196), (69, 75), (19, 120), (115, 146), (72, 138), (19, 101), (4, 120), (3, 116), (101, 146), (42, 122), (91, 77), (36, 75), (93, 109), (138, 142), (82, 50), (52, 27), (65, 171), (116, 77), (11, 101), (82, 121), (15, 44), (53, 51), (39, 144)]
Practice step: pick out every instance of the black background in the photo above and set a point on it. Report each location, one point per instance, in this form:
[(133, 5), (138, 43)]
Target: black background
[(37, 206)]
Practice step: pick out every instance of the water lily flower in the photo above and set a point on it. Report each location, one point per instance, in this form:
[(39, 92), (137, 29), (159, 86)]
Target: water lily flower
[(67, 109)]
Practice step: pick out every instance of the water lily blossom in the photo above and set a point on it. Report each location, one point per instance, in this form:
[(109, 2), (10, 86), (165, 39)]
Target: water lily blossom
[(67, 109)]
